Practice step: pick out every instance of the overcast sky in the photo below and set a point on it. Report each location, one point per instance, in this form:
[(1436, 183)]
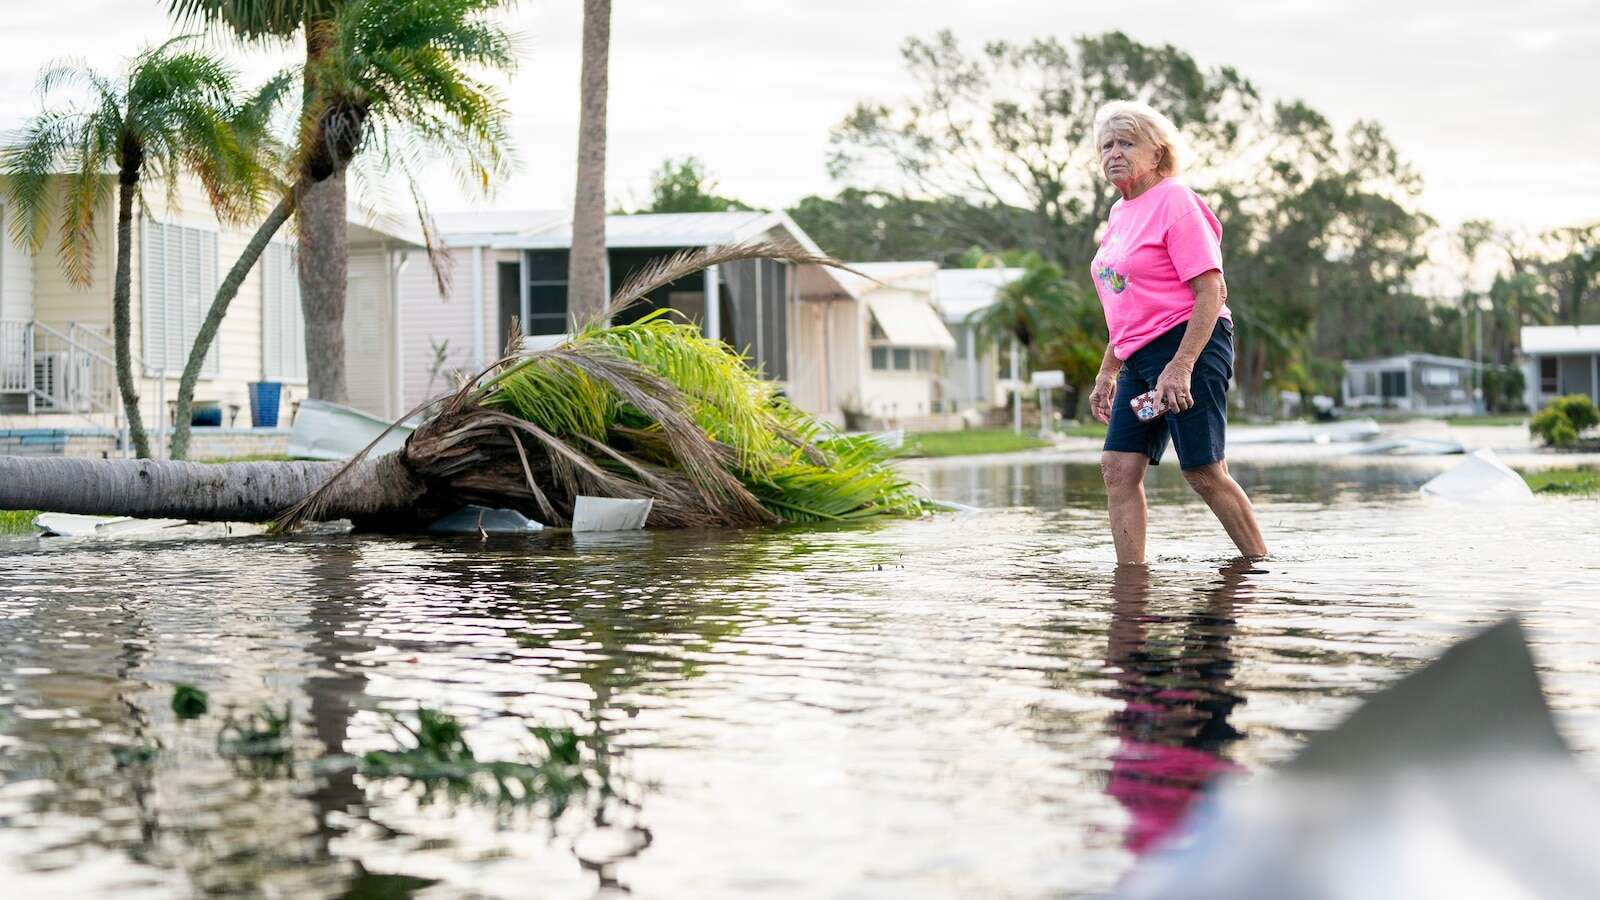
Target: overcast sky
[(1494, 103)]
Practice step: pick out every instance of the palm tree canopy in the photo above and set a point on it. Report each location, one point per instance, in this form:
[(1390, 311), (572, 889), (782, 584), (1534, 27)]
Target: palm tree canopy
[(175, 110), (254, 19), (398, 74)]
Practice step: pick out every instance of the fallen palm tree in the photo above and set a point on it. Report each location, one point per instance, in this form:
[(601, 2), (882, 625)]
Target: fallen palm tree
[(647, 409)]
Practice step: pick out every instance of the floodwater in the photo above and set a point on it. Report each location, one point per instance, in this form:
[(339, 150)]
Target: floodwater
[(970, 705)]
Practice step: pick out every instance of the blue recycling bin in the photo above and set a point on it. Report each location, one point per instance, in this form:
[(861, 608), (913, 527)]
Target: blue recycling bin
[(206, 415), (264, 398)]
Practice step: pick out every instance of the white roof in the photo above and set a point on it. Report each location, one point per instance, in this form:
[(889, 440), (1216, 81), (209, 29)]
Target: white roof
[(909, 321), (875, 275), (1547, 340), (552, 229), (1405, 359), (962, 292)]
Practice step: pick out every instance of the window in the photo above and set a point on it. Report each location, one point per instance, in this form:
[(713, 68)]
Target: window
[(1394, 384), (1549, 375), (902, 359), (177, 284), (283, 324), (880, 358), (1369, 384), (1436, 376), (547, 292)]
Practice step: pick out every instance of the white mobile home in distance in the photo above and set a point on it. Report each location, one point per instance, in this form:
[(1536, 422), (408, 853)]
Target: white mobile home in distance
[(906, 341), (976, 374), (1560, 360), (1416, 382), (788, 320)]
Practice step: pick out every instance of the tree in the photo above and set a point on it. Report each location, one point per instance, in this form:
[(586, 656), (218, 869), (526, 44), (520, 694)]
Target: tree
[(869, 225), (684, 186), (394, 86), (332, 138), (1574, 270), (1051, 316), (321, 212), (586, 275), (173, 112), (650, 409)]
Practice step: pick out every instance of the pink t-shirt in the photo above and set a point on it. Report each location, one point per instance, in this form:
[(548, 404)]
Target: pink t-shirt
[(1154, 244)]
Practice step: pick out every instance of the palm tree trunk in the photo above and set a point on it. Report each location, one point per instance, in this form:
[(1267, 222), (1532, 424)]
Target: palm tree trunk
[(219, 308), (381, 491), (324, 255), (586, 274), (122, 317)]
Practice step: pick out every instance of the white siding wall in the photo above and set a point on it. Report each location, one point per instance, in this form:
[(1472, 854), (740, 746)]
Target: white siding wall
[(238, 344), (16, 274), (429, 319), (368, 331)]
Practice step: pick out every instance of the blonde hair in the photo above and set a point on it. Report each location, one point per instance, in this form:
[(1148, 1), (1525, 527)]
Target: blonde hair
[(1145, 123)]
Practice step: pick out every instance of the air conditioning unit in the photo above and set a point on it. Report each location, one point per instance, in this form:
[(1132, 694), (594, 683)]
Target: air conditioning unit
[(49, 377)]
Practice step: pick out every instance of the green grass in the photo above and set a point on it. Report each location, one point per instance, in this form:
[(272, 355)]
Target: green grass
[(1086, 430), (1488, 421), (1582, 482), (969, 442), (19, 521)]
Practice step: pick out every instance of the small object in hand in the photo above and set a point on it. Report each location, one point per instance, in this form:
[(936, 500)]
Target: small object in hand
[(1146, 406)]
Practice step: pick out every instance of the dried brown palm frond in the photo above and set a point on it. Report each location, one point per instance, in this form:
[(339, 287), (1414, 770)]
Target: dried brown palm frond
[(682, 264)]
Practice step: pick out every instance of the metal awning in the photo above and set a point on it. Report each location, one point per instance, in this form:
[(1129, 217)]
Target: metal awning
[(908, 321)]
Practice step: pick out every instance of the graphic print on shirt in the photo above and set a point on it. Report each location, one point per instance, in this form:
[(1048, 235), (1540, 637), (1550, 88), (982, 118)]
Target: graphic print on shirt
[(1105, 268)]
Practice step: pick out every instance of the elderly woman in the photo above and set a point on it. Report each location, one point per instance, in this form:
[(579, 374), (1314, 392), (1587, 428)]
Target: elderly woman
[(1159, 276)]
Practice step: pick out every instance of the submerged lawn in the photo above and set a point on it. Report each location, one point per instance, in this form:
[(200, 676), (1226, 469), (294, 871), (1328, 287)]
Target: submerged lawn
[(1564, 481), (1497, 419)]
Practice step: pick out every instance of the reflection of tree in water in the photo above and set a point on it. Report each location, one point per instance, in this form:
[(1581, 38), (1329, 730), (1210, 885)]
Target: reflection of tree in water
[(1173, 729), (627, 615), (310, 622)]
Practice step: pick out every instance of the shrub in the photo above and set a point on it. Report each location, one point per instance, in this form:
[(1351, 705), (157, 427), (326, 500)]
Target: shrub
[(1560, 423), (1502, 388)]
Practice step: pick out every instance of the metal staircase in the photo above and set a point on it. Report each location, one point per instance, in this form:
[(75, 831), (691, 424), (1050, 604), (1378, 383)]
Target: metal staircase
[(52, 371)]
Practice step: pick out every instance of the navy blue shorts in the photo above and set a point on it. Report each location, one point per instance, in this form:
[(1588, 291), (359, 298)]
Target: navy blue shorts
[(1200, 432)]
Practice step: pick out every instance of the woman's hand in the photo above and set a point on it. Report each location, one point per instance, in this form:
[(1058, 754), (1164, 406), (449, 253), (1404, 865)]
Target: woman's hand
[(1105, 391), (1172, 388)]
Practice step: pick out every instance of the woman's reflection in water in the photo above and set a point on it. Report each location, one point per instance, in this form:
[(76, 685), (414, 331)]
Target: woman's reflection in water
[(1172, 674)]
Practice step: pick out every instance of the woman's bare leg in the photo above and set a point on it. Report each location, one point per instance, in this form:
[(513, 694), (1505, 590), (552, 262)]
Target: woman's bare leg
[(1124, 479), (1230, 505)]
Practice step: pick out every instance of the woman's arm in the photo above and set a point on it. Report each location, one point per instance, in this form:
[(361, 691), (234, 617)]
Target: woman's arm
[(1105, 386), (1172, 388)]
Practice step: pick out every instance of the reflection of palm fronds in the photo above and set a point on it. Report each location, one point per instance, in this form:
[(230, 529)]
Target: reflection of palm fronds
[(648, 409)]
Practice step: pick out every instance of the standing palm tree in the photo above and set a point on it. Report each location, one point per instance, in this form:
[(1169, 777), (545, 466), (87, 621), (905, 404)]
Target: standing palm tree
[(586, 273), (322, 221), (1049, 316), (172, 112), (393, 88)]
